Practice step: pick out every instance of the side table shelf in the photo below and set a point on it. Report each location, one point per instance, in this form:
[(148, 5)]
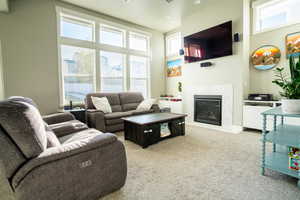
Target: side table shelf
[(283, 135)]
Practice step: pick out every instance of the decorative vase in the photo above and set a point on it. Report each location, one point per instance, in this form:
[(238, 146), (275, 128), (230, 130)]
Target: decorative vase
[(291, 106)]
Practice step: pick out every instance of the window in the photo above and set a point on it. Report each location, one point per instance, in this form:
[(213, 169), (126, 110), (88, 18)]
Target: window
[(76, 29), (272, 14), (97, 55), (112, 36), (138, 42), (173, 43), (138, 74), (112, 71), (78, 66)]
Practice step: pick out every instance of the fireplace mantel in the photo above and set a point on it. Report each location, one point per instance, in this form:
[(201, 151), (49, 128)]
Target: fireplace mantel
[(226, 91)]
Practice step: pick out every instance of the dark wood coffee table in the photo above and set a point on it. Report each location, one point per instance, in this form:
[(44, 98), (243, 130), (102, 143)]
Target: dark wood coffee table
[(146, 129)]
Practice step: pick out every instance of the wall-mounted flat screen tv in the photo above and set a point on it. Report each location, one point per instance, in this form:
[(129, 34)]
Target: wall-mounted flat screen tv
[(208, 44)]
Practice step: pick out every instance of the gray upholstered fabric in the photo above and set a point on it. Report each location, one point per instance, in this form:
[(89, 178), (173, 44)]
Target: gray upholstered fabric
[(23, 99), (95, 119), (88, 165), (113, 99), (58, 118), (11, 156), (81, 135), (115, 128), (116, 115), (142, 112), (94, 172), (65, 128), (24, 124), (65, 153), (52, 140), (114, 121), (130, 100), (155, 108)]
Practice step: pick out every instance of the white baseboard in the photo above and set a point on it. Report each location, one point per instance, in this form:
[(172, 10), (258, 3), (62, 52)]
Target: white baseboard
[(231, 129)]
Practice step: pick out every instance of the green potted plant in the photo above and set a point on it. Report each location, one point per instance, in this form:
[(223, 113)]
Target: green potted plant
[(290, 87)]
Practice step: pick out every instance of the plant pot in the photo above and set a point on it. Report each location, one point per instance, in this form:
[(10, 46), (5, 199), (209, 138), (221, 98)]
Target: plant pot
[(291, 106)]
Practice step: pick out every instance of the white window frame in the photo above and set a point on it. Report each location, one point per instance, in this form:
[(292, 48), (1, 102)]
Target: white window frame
[(256, 5), (168, 38), (102, 47)]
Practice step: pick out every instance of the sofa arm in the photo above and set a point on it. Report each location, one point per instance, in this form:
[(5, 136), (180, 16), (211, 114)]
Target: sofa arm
[(80, 148), (58, 118), (95, 119), (156, 108)]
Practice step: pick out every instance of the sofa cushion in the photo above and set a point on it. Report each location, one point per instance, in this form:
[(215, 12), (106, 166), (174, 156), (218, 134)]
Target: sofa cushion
[(117, 115), (24, 124), (81, 135), (137, 112), (11, 156), (23, 99), (52, 140), (102, 104), (113, 121), (145, 105), (130, 100), (65, 128), (113, 99)]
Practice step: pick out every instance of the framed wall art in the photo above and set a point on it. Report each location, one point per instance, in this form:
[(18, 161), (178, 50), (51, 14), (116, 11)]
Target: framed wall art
[(266, 57)]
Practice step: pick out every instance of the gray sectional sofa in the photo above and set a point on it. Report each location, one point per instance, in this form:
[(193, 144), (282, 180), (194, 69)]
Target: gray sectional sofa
[(61, 159), (123, 105)]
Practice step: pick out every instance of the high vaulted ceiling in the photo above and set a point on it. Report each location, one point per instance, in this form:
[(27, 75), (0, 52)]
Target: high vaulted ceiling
[(155, 14)]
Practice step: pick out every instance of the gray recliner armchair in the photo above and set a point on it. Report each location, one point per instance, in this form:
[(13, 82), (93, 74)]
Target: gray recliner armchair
[(38, 165)]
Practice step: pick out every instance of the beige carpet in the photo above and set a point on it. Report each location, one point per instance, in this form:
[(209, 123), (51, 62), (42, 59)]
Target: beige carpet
[(204, 164)]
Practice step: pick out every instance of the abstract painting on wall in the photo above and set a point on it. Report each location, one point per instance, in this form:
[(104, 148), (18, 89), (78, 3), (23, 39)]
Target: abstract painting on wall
[(266, 57), (293, 44), (174, 67)]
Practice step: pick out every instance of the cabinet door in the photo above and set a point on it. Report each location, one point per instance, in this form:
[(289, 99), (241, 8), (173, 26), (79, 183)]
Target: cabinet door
[(150, 135), (252, 117), (177, 127)]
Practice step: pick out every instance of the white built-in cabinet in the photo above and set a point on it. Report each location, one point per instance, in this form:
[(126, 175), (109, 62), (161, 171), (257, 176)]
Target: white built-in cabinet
[(252, 117), (174, 106)]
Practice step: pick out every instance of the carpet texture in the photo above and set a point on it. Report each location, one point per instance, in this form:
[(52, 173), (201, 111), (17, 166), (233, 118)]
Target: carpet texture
[(204, 164)]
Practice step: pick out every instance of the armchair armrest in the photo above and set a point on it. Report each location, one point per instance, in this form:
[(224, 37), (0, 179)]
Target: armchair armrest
[(95, 119), (65, 152), (58, 118), (156, 108)]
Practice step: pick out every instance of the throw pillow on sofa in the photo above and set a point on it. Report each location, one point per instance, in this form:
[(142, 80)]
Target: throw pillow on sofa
[(102, 104), (145, 105)]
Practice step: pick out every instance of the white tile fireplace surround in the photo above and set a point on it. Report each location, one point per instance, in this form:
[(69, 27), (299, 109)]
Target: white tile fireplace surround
[(226, 91)]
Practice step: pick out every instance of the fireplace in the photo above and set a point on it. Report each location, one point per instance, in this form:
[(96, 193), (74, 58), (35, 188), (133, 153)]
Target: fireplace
[(208, 109)]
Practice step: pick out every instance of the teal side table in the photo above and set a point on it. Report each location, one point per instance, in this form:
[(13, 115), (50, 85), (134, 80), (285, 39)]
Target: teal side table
[(282, 135)]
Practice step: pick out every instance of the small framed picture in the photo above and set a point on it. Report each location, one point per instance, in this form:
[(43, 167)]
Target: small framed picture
[(293, 44)]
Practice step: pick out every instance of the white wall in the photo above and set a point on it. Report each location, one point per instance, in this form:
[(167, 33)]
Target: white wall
[(30, 53), (226, 70), (261, 81), (1, 76)]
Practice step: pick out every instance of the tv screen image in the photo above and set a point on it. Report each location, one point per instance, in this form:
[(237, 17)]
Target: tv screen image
[(212, 43)]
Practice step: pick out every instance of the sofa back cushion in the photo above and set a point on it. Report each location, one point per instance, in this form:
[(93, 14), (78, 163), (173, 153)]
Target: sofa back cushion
[(130, 100), (23, 99), (25, 126), (11, 156), (113, 99)]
